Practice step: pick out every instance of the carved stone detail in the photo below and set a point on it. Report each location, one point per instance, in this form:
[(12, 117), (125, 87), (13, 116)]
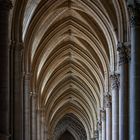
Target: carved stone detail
[(4, 136), (27, 76), (42, 113), (103, 115), (107, 99), (16, 46), (134, 11), (5, 5), (124, 53), (99, 125), (33, 94), (115, 80)]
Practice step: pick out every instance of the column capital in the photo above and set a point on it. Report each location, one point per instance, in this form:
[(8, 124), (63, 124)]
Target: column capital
[(16, 46), (107, 99), (115, 80), (134, 11), (27, 76), (33, 94), (5, 5), (103, 115), (38, 110), (99, 125), (42, 109), (124, 52), (5, 136)]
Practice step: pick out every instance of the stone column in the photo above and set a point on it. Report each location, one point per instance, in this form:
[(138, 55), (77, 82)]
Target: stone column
[(99, 127), (34, 116), (123, 49), (5, 6), (108, 117), (103, 119), (42, 130), (42, 124), (115, 82), (45, 132), (27, 78), (134, 133), (38, 125), (16, 89)]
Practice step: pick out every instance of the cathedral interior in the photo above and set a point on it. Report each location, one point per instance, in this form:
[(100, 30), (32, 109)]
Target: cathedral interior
[(70, 69)]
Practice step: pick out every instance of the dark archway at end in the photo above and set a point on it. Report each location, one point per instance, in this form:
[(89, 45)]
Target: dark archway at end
[(66, 136)]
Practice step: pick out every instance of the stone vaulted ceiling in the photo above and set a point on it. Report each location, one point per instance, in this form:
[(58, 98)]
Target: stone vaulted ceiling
[(70, 49)]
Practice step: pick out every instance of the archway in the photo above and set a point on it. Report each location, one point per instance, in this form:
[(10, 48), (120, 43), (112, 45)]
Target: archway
[(66, 136)]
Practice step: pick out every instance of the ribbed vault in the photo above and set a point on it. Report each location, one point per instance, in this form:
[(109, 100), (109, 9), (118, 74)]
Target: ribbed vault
[(70, 50)]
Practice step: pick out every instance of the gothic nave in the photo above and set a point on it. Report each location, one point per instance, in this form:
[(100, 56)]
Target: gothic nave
[(70, 69)]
